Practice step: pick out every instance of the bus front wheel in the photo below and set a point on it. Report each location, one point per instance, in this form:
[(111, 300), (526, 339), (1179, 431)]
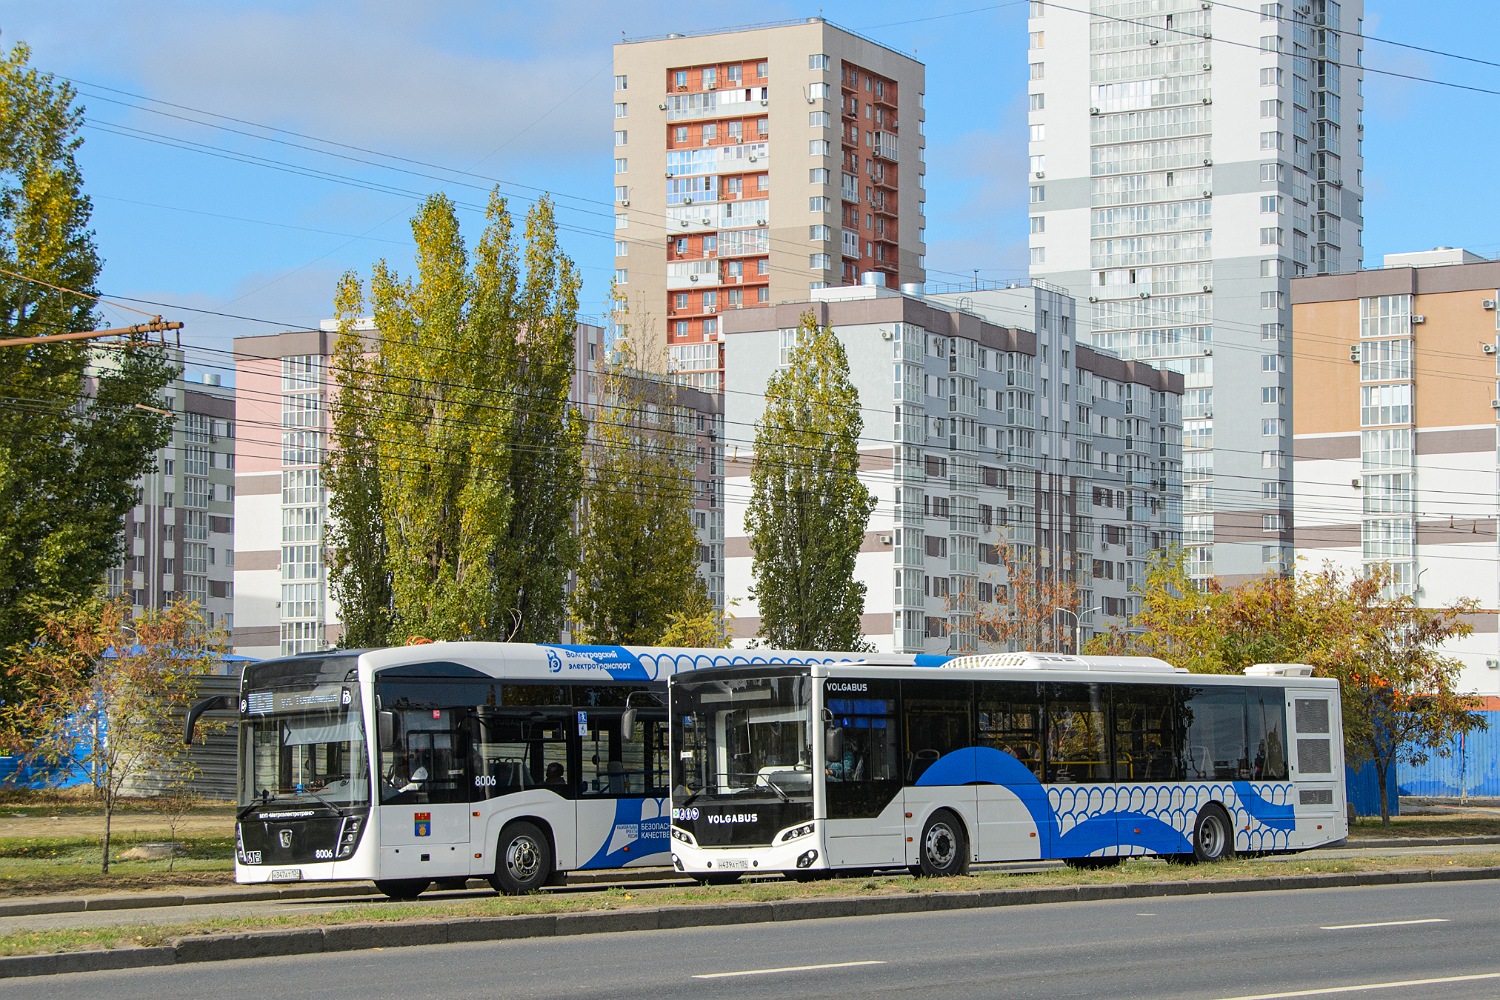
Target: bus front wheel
[(944, 848), (1213, 835), (402, 888), (524, 861)]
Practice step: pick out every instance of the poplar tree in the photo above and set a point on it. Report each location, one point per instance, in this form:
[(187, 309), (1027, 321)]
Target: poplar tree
[(456, 471), (639, 561), (73, 440), (808, 509)]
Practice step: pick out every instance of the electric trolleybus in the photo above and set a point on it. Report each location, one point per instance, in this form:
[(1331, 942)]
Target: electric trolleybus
[(447, 761), (803, 768)]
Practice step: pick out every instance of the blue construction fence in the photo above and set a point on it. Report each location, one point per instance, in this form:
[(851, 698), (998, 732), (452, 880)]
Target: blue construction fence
[(1472, 766)]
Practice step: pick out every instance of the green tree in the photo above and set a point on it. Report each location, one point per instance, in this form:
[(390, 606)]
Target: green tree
[(1400, 699), (808, 509), (104, 696), (73, 440), (453, 506), (639, 561), (359, 573)]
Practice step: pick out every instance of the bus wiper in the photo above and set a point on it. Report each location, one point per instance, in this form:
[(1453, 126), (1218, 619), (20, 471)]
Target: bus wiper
[(777, 789)]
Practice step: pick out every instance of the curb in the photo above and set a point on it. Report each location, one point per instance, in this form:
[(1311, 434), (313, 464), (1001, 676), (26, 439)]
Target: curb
[(357, 937)]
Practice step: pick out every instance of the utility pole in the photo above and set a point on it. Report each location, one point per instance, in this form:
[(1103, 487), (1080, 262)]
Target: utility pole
[(154, 325)]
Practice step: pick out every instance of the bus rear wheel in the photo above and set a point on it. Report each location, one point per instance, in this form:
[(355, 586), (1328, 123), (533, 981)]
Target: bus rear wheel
[(402, 888), (944, 848), (524, 861), (1213, 835)]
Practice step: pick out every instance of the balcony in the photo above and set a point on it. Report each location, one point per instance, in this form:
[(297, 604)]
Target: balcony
[(885, 146)]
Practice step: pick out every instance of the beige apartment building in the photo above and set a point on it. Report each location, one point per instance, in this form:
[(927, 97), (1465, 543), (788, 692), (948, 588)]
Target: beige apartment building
[(754, 166), (1394, 401)]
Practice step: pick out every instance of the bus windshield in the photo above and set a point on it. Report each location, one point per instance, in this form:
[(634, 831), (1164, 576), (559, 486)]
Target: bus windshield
[(747, 736), (312, 756)]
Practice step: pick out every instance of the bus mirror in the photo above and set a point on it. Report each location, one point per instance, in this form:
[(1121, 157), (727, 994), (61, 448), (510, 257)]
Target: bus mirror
[(627, 723), (386, 723), (219, 701), (833, 744)]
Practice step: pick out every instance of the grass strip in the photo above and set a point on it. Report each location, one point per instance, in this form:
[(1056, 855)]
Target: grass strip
[(618, 898)]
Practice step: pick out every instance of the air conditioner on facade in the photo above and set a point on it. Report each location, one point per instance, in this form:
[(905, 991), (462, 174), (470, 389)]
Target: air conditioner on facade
[(1487, 348), (1419, 318), (1488, 304), (624, 202), (1354, 352), (886, 335)]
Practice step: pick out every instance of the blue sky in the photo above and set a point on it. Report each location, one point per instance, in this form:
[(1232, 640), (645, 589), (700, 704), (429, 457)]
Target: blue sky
[(521, 93)]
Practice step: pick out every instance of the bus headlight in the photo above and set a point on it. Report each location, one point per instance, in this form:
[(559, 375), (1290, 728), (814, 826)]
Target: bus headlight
[(349, 836), (687, 838), (806, 829)]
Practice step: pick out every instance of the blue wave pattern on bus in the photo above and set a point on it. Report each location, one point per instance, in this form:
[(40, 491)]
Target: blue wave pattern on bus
[(1075, 821), (640, 829), (622, 664)]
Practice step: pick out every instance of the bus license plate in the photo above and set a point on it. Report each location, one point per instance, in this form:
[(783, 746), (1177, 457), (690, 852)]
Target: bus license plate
[(286, 874), (734, 864)]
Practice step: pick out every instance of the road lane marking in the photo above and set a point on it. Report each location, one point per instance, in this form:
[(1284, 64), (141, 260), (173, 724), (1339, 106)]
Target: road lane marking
[(790, 968), (1384, 923), (1329, 991)]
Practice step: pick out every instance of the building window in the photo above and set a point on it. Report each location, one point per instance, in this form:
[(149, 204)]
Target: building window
[(1269, 205), (762, 70), (1272, 331), (681, 327), (622, 83), (818, 261), (817, 62), (817, 147), (622, 248), (817, 203), (1038, 223), (1038, 193), (1270, 427), (1038, 71), (818, 234), (1039, 255), (1270, 300), (1036, 102), (621, 110), (1270, 140), (1272, 522), (818, 91), (1271, 394), (621, 137), (1272, 173), (679, 79), (1038, 132), (1270, 237), (622, 275), (818, 175), (734, 75), (1270, 109), (1274, 459), (710, 133), (818, 119), (622, 165), (710, 75), (1270, 363)]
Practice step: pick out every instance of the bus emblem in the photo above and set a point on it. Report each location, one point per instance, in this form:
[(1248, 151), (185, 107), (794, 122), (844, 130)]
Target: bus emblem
[(423, 823), (286, 838)]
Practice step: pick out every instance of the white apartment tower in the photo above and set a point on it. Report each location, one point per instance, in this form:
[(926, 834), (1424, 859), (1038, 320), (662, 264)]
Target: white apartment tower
[(754, 166), (1188, 158)]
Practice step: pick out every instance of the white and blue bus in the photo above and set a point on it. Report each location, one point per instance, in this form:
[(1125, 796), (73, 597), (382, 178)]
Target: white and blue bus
[(449, 761), (803, 769)]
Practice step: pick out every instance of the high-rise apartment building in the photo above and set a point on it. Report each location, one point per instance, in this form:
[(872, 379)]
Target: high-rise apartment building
[(987, 428), (1188, 158), (179, 537), (1396, 391), (283, 388), (754, 166)]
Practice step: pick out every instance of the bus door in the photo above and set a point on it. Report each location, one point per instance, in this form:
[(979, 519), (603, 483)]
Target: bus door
[(1317, 763), (939, 755), (424, 795), (520, 765), (1014, 816), (623, 811), (862, 774)]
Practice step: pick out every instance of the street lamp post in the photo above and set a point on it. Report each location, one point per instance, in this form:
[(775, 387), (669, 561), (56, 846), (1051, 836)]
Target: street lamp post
[(1077, 626)]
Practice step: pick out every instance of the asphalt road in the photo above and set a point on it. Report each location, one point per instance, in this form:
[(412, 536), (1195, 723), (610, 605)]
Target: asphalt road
[(1434, 941), (365, 895)]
